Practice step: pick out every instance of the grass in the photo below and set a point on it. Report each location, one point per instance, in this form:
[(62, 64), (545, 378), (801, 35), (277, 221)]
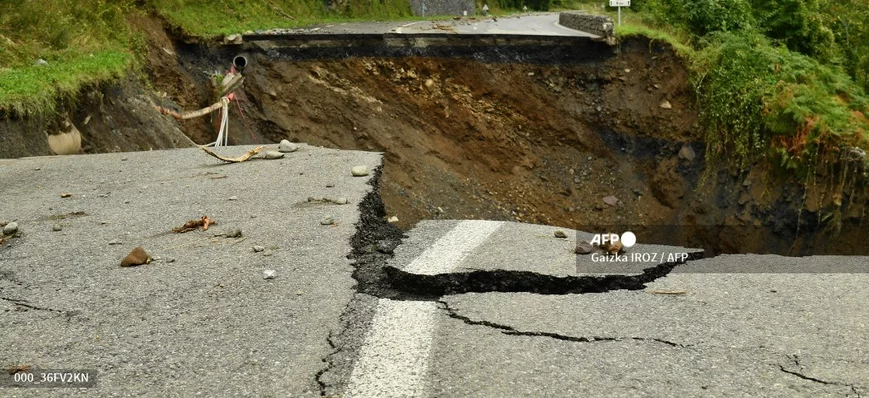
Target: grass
[(82, 42), (33, 89), (208, 19)]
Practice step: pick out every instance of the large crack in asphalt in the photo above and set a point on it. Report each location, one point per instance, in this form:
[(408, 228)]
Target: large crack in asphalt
[(795, 359), (511, 331), (373, 245)]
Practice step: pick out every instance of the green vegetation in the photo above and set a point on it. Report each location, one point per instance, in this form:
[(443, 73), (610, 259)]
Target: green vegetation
[(207, 18), (784, 80), (82, 43), (87, 42)]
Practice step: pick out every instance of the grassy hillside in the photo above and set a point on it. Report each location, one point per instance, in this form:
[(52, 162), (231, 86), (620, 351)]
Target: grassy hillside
[(51, 48)]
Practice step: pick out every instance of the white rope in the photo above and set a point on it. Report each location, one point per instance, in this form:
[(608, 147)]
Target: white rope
[(223, 132)]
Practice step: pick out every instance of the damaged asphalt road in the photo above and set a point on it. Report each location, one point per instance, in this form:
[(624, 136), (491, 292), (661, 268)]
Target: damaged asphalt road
[(452, 308), (508, 317)]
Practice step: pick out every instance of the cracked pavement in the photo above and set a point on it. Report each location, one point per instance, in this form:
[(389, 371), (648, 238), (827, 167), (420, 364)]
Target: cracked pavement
[(207, 323), (762, 325), (451, 309)]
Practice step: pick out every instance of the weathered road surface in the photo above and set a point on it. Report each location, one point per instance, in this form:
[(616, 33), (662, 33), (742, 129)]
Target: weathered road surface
[(207, 324), (459, 309), (538, 24), (769, 326)]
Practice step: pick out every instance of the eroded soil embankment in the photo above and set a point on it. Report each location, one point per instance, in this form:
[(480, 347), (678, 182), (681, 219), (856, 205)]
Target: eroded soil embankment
[(540, 133)]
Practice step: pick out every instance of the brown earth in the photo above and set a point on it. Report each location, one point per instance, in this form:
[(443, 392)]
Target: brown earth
[(540, 142)]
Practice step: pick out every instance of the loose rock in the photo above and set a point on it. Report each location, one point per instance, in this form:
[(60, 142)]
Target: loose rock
[(560, 234), (257, 249), (666, 105), (687, 153), (41, 62), (270, 274), (359, 171), (328, 220), (341, 201), (611, 200), (233, 198), (65, 195), (56, 227), (136, 257), (115, 242), (10, 228), (235, 233), (583, 247), (287, 146), (272, 155), (392, 220)]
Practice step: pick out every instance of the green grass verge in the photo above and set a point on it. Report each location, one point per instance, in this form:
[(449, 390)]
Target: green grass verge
[(34, 89)]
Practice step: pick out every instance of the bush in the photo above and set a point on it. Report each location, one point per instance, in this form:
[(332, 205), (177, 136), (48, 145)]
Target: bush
[(700, 17), (758, 99)]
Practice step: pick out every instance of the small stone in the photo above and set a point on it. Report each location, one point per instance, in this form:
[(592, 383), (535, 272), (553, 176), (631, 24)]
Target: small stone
[(392, 220), (611, 200), (233, 198), (56, 228), (114, 242), (136, 257), (235, 233), (298, 292), (429, 83), (666, 105), (440, 210), (687, 153), (341, 201), (123, 159), (65, 195), (560, 234), (359, 171), (257, 249), (627, 71), (41, 62), (272, 155), (270, 274), (583, 247), (287, 146), (328, 220), (170, 260), (10, 228)]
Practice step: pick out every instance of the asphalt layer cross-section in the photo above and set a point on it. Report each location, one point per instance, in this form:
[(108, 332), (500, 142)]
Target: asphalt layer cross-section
[(205, 324)]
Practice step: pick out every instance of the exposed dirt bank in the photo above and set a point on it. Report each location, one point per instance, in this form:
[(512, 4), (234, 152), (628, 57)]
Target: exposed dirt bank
[(576, 137), (111, 118)]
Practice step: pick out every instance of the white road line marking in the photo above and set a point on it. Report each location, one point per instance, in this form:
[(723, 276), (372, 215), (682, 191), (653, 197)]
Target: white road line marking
[(393, 362), (449, 251)]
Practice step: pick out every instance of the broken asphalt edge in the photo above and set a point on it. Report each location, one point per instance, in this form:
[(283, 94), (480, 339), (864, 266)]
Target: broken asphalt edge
[(508, 281), (373, 245)]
